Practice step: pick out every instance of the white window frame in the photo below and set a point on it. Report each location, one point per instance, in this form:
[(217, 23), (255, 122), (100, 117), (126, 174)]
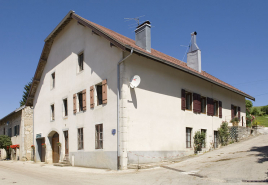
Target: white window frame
[(96, 94), (78, 70), (63, 108)]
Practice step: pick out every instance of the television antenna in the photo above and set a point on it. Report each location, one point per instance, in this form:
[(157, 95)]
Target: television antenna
[(137, 19)]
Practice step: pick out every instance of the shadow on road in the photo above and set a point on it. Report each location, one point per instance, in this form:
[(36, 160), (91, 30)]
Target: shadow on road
[(263, 153)]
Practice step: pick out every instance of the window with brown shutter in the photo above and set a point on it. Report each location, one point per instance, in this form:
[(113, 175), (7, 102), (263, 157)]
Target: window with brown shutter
[(208, 106), (215, 108), (232, 112), (80, 101), (195, 97), (199, 103), (74, 103), (92, 97), (188, 100), (220, 109), (183, 102), (104, 91), (211, 106), (84, 97), (203, 105)]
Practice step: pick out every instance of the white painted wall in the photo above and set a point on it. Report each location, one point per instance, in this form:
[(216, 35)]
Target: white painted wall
[(100, 63), (156, 125)]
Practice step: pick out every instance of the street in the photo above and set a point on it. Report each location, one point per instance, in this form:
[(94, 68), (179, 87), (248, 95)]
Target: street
[(234, 164)]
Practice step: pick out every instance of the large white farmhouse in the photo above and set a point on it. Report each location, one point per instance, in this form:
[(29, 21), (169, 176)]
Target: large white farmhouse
[(86, 112)]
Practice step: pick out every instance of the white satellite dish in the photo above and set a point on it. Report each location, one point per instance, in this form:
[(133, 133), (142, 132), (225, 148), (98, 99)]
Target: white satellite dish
[(135, 81)]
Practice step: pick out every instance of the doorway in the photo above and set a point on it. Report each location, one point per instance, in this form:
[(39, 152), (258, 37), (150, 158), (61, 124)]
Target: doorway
[(41, 149), (66, 137), (55, 148)]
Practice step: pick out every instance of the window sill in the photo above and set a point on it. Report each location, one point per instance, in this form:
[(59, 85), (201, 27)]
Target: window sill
[(79, 72), (188, 109), (65, 117), (80, 112), (81, 150), (98, 107), (52, 120)]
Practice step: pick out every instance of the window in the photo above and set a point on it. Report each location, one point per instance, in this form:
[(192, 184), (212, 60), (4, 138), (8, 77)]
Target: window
[(80, 139), (215, 139), (188, 101), (80, 62), (16, 130), (65, 107), (52, 113), (4, 131), (235, 110), (204, 141), (80, 101), (203, 105), (215, 111), (99, 136), (53, 80), (9, 132), (99, 94), (188, 137)]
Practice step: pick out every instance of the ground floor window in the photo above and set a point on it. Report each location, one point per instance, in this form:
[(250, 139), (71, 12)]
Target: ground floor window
[(204, 141), (215, 139), (99, 136), (80, 139), (188, 137)]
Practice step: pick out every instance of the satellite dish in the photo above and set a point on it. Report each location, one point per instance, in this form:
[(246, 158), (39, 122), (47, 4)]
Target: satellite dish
[(135, 81)]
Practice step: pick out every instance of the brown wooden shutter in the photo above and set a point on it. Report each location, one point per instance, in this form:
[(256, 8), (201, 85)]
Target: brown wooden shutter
[(208, 106), (92, 96), (232, 112), (84, 97), (195, 102), (238, 113), (220, 109), (199, 103), (104, 91), (74, 103), (212, 107), (183, 102)]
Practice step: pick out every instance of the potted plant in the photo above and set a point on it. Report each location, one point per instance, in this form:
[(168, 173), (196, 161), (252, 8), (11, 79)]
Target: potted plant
[(199, 139), (59, 144), (44, 145), (235, 121), (32, 146)]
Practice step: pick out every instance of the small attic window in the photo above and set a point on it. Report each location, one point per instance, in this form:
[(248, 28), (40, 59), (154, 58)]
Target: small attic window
[(81, 62)]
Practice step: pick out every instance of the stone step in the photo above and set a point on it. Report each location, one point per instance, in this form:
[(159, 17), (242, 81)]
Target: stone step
[(62, 164)]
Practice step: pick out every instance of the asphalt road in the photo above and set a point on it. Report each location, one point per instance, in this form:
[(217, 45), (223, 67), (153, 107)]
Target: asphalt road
[(233, 164)]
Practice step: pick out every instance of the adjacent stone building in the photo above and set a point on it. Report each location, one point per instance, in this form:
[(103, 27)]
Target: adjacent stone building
[(19, 126)]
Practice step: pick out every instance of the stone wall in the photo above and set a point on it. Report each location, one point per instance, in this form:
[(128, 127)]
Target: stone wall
[(238, 133), (23, 118)]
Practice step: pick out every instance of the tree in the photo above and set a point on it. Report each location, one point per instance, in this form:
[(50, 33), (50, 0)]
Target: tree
[(249, 104), (265, 109), (224, 133), (26, 91), (255, 111), (5, 143)]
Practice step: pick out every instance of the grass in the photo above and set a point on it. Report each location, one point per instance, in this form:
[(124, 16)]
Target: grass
[(262, 120)]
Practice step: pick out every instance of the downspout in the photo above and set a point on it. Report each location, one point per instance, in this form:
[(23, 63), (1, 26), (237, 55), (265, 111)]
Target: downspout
[(118, 101)]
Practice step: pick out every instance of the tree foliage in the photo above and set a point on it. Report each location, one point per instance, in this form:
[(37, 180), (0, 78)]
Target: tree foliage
[(26, 91), (224, 133), (265, 109), (249, 104), (199, 139), (5, 142), (255, 111)]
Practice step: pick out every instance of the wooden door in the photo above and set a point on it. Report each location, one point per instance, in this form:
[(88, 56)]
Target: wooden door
[(55, 148)]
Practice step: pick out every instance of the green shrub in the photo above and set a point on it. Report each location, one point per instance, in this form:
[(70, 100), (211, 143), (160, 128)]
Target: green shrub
[(199, 139), (224, 133), (255, 111), (265, 109)]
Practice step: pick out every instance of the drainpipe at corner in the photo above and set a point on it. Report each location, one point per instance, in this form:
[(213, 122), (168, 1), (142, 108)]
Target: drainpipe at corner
[(118, 113)]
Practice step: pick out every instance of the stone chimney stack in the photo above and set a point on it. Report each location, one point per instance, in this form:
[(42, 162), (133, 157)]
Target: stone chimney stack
[(194, 54), (143, 36)]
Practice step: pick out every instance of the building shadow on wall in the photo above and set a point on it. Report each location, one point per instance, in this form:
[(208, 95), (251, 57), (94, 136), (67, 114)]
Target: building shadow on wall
[(133, 98), (263, 153)]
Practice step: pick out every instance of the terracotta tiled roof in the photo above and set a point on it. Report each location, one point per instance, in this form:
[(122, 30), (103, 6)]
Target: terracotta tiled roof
[(127, 41)]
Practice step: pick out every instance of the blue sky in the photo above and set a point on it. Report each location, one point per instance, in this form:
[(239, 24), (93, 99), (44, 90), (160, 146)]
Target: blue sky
[(232, 36)]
